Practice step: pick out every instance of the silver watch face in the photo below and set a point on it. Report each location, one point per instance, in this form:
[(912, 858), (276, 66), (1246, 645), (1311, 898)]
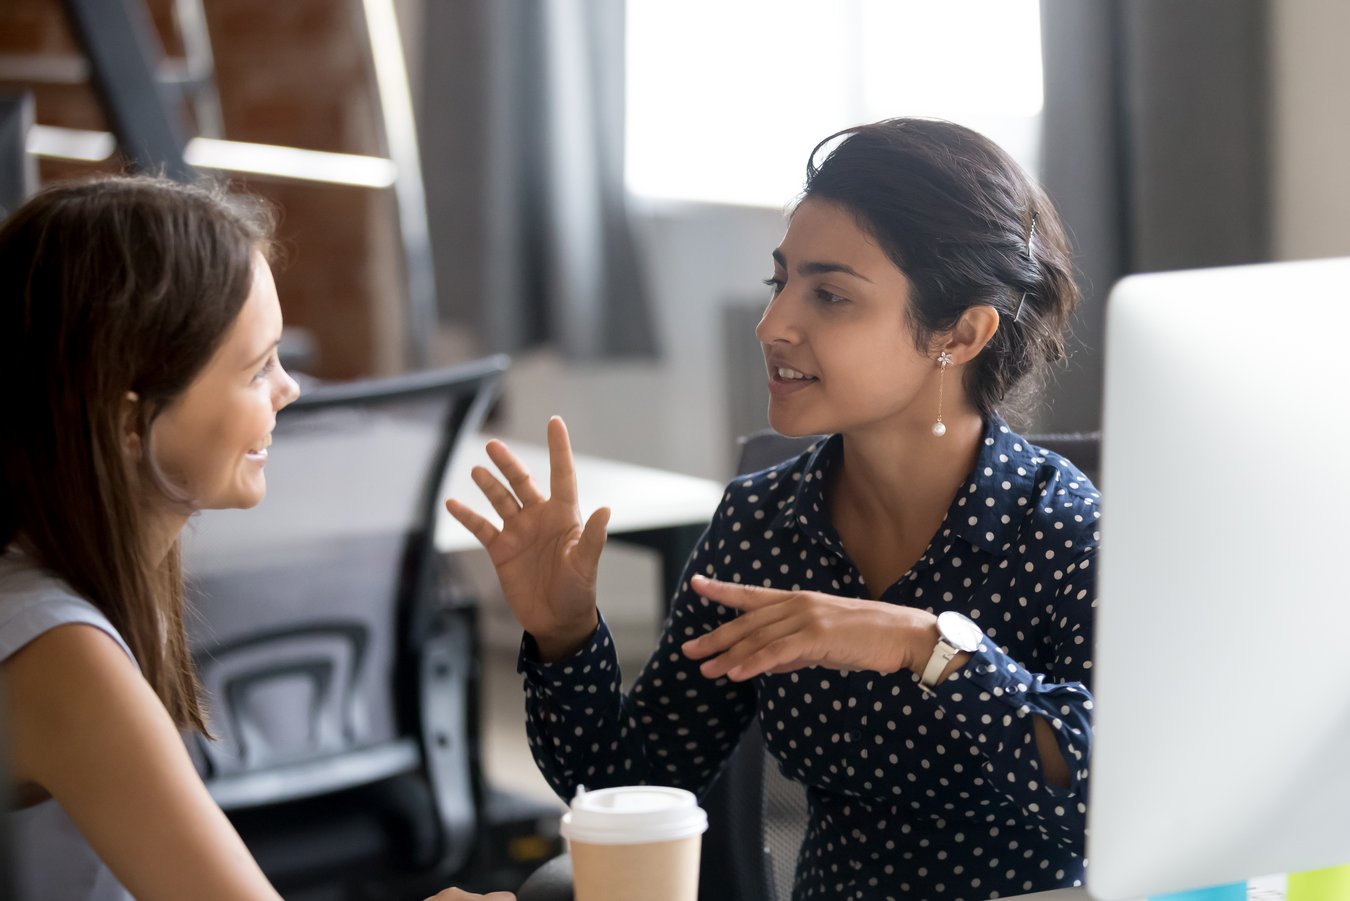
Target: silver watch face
[(959, 631)]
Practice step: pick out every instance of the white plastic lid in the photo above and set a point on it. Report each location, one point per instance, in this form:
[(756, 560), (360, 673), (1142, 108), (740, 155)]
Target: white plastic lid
[(633, 814)]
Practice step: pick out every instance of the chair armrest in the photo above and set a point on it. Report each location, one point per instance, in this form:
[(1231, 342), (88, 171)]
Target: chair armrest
[(551, 882)]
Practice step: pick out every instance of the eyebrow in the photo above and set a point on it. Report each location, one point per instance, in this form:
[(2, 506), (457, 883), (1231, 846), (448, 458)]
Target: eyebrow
[(819, 268)]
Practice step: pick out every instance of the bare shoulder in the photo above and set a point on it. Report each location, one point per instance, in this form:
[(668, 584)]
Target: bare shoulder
[(68, 662), (89, 729), (74, 681)]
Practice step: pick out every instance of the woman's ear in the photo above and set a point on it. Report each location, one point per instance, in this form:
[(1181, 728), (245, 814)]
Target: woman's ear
[(132, 445), (976, 328)]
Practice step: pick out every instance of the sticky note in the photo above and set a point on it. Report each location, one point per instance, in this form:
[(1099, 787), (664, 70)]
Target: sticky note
[(1331, 884)]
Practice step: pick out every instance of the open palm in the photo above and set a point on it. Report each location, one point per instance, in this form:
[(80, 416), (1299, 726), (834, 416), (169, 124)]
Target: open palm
[(546, 559)]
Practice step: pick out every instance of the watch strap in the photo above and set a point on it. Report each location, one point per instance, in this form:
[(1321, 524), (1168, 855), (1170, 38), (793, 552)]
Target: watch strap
[(942, 655)]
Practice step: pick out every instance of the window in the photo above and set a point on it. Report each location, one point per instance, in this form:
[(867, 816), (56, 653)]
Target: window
[(725, 98)]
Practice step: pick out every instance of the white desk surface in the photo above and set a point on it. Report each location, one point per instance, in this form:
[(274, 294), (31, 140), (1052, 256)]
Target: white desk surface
[(639, 497)]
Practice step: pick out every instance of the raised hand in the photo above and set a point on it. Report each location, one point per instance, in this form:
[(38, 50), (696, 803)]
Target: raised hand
[(780, 631), (546, 560)]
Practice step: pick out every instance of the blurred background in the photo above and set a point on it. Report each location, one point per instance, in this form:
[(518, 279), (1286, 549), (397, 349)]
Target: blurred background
[(601, 182), (594, 186)]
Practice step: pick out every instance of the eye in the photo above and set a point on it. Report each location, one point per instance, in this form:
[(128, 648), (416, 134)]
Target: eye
[(775, 285), (266, 369), (829, 298)]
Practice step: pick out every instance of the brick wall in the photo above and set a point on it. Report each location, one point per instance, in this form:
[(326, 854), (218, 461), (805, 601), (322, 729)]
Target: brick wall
[(291, 72)]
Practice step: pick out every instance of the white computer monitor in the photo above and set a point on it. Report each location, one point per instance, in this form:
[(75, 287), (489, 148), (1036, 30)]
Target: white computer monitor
[(1222, 670)]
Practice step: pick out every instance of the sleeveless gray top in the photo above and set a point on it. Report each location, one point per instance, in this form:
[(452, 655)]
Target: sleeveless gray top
[(52, 859)]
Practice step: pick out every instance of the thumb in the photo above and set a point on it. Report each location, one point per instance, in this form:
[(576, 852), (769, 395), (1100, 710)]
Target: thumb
[(592, 540)]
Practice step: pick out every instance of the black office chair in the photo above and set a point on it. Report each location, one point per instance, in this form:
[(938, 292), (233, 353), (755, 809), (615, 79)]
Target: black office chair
[(1082, 449), (340, 670)]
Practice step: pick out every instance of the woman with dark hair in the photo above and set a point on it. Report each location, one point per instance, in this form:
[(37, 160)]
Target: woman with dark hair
[(139, 327), (906, 607)]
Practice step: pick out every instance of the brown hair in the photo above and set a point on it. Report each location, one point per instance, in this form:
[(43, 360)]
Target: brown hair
[(110, 286), (955, 213)]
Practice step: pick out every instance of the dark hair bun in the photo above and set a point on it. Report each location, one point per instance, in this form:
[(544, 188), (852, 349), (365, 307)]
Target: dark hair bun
[(956, 214)]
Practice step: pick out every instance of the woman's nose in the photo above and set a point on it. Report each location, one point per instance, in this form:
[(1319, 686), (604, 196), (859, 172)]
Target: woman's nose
[(290, 390), (775, 324)]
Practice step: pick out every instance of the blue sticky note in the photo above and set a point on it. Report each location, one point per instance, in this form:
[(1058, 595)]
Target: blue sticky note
[(1235, 891)]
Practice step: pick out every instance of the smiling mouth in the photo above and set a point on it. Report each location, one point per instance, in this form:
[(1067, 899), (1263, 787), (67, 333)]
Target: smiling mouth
[(261, 450), (785, 374)]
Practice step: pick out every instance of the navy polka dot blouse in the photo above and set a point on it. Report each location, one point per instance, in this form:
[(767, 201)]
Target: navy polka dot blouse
[(911, 796)]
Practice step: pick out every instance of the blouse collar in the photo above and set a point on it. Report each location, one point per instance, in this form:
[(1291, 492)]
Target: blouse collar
[(985, 511)]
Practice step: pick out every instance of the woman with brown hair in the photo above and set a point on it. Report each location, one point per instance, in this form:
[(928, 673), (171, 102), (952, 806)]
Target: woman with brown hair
[(139, 327), (906, 607)]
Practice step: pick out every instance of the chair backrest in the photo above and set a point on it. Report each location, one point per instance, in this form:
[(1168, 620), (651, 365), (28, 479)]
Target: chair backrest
[(1082, 449), (313, 618), (756, 815)]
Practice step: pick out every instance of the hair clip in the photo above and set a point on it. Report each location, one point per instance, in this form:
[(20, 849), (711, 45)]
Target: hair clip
[(1031, 237)]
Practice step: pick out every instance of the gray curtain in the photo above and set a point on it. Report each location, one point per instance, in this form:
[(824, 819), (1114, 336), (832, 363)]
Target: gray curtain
[(1156, 152), (522, 136), (18, 170)]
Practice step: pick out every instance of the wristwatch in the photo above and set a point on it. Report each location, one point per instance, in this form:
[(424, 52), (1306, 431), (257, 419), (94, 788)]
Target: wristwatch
[(956, 633)]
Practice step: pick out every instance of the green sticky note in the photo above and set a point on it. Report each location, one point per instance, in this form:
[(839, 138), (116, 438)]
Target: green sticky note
[(1233, 891), (1331, 884)]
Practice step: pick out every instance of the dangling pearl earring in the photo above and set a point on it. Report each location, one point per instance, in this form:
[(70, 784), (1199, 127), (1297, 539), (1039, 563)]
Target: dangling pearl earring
[(944, 360)]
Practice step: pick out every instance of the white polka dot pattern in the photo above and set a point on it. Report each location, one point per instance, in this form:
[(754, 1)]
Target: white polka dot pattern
[(911, 796)]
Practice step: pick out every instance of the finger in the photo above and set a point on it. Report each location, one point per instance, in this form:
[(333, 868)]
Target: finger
[(516, 474), (562, 477), (720, 639), (739, 656), (592, 540), (478, 527), (782, 655), (502, 500), (772, 644), (745, 630), (738, 595)]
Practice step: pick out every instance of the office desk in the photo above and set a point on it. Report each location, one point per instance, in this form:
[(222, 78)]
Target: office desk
[(654, 508), (553, 882)]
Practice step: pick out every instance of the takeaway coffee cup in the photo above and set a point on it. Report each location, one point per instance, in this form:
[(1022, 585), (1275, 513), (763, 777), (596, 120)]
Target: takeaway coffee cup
[(635, 842)]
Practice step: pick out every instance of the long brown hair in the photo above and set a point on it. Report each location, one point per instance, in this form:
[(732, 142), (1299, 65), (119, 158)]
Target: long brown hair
[(111, 286)]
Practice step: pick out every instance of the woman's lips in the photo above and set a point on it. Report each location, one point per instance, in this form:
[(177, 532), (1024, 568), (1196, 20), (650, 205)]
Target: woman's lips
[(779, 386), (260, 454)]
